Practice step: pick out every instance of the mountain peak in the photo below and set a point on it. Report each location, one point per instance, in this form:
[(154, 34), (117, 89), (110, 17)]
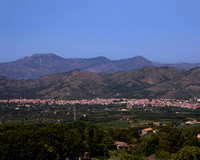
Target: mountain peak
[(44, 55), (140, 58), (101, 58)]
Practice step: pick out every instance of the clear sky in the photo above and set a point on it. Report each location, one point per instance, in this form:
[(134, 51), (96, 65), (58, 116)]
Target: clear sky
[(159, 30)]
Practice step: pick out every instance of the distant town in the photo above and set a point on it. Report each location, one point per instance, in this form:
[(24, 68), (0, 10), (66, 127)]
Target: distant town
[(192, 103)]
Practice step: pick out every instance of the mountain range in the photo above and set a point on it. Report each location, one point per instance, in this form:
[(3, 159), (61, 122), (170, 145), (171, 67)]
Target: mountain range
[(39, 65), (146, 82)]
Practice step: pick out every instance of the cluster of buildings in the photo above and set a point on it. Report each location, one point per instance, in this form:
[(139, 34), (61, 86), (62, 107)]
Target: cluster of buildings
[(165, 102), (129, 102)]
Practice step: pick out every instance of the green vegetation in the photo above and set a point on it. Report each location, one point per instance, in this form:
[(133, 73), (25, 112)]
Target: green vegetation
[(55, 141), (74, 140), (114, 116), (42, 131)]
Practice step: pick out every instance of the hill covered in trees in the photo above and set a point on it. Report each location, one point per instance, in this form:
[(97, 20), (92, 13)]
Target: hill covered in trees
[(147, 82)]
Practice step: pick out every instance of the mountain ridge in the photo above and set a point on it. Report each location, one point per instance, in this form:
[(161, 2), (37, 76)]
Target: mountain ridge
[(146, 82), (38, 65)]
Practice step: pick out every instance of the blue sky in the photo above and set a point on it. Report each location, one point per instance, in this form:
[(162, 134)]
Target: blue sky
[(159, 30)]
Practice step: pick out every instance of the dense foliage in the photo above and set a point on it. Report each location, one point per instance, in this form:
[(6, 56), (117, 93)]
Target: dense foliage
[(74, 140), (55, 141), (167, 143)]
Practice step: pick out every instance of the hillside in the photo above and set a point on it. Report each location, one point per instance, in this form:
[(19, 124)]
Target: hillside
[(147, 82), (39, 65)]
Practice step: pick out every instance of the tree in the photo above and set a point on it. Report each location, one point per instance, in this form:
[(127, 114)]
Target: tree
[(187, 153)]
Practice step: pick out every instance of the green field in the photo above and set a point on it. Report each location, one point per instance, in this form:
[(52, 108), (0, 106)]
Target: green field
[(104, 115)]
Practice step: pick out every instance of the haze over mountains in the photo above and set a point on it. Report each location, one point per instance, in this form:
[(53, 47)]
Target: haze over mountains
[(147, 82), (38, 65)]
